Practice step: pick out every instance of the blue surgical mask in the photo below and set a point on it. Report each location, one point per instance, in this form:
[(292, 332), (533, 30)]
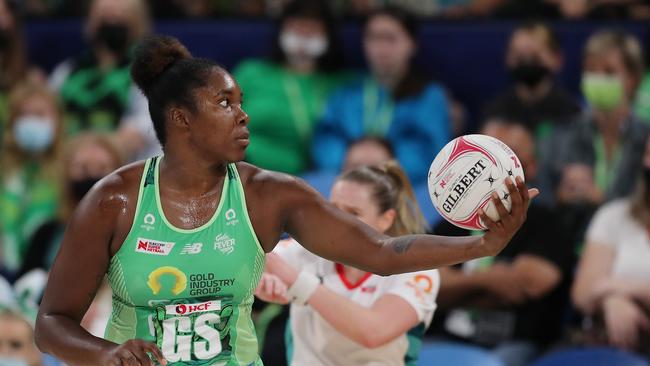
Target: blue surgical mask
[(7, 361), (34, 134)]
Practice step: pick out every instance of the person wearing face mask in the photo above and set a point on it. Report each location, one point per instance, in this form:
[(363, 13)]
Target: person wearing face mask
[(612, 284), (95, 86), (286, 95), (87, 159), (535, 98), (393, 101), (595, 158), (30, 156)]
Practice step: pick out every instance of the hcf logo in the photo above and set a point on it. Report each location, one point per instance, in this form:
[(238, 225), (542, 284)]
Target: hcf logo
[(186, 309)]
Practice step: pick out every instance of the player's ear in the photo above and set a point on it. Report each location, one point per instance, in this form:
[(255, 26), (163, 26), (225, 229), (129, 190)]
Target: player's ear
[(178, 117), (387, 219)]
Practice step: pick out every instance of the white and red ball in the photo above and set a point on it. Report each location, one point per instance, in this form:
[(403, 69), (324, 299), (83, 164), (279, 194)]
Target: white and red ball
[(464, 174)]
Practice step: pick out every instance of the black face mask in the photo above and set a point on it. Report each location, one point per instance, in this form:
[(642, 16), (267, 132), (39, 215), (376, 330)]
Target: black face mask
[(646, 177), (529, 73), (79, 187), (115, 36)]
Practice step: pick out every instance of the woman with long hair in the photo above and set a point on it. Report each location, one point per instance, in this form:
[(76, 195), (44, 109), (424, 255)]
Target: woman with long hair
[(30, 161)]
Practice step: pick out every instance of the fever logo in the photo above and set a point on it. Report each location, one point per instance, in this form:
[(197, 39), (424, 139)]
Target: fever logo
[(180, 280)]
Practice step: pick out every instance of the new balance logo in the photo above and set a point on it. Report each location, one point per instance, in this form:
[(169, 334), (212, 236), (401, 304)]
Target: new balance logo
[(194, 248)]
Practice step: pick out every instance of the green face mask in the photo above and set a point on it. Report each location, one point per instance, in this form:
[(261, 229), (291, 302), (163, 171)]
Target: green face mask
[(604, 92)]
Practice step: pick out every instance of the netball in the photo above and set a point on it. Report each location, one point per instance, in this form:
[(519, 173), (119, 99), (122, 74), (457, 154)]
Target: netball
[(464, 174)]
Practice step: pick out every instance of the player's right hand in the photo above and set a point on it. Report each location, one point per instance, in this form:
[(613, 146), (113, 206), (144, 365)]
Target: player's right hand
[(133, 352), (500, 232)]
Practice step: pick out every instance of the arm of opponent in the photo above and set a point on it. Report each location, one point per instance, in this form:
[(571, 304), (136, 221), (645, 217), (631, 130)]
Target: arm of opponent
[(393, 314), (338, 236), (76, 275)]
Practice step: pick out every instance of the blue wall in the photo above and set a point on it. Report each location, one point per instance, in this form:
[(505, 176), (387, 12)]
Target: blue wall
[(467, 57)]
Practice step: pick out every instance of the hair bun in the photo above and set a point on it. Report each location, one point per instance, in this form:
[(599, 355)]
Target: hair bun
[(153, 56)]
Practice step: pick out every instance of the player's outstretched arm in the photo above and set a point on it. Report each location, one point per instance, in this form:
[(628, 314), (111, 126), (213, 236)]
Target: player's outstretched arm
[(73, 282), (338, 236)]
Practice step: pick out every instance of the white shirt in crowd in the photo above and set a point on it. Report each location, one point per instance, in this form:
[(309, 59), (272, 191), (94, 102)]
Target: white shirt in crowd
[(614, 226), (316, 342)]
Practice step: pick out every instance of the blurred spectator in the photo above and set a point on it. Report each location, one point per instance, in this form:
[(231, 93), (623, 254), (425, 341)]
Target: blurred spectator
[(286, 95), (394, 102), (365, 151), (17, 347), (88, 158), (613, 279), (513, 303), (596, 158), (600, 152), (533, 60), (30, 168), (13, 55), (371, 151), (96, 86)]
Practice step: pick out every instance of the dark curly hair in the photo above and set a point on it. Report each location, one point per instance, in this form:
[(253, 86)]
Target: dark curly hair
[(167, 74)]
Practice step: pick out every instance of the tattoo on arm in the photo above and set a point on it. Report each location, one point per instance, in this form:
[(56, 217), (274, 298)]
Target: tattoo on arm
[(402, 244)]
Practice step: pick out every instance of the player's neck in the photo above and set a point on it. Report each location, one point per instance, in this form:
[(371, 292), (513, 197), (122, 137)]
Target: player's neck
[(191, 175)]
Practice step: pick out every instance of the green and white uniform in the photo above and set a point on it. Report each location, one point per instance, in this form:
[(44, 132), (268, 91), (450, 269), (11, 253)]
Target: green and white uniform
[(189, 291)]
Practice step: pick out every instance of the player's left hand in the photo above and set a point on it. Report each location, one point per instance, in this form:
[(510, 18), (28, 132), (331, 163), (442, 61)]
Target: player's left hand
[(272, 289), (500, 232), (279, 267)]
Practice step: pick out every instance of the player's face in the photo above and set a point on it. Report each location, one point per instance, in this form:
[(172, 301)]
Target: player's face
[(219, 126), (356, 199)]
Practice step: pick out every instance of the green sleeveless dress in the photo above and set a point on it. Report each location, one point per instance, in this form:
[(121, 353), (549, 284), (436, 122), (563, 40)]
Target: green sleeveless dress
[(189, 291)]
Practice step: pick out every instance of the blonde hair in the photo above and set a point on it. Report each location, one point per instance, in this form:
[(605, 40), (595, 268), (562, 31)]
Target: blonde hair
[(391, 189), (625, 43), (106, 142), (12, 156)]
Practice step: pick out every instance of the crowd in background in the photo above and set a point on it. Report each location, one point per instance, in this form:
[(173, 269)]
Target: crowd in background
[(441, 9), (577, 271)]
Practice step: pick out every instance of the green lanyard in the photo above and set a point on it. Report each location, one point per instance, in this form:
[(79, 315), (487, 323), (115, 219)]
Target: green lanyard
[(376, 116), (605, 169), (298, 106)]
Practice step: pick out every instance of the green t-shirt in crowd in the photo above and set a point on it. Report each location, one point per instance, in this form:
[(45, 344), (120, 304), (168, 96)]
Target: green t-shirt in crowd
[(27, 199), (283, 107)]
